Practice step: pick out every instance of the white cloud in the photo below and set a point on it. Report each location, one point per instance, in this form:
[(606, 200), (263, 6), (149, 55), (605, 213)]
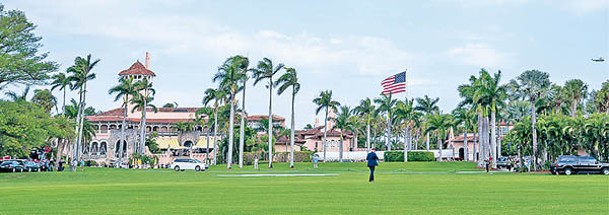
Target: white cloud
[(361, 55), (479, 54), (582, 6)]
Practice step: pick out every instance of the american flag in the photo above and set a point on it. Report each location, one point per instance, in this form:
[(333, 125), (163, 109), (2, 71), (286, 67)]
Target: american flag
[(394, 84)]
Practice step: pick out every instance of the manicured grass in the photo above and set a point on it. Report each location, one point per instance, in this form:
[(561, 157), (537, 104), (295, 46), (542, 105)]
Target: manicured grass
[(412, 188)]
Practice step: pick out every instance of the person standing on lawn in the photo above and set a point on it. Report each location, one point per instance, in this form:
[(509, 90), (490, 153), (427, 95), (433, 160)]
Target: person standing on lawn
[(372, 163)]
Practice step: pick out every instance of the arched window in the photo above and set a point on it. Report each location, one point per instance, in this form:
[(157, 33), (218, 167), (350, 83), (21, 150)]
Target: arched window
[(103, 148), (104, 129)]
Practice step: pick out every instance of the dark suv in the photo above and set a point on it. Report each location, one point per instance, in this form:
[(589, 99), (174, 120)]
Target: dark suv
[(571, 164)]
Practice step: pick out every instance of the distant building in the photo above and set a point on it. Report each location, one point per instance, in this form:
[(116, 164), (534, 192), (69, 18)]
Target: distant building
[(104, 147)]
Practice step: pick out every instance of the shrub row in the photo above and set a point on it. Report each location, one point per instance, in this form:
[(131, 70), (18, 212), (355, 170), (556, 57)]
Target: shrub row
[(398, 156)]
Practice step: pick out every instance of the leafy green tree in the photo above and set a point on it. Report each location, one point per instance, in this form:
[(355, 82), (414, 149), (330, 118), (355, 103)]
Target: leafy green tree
[(45, 99), (24, 125), (325, 102), (266, 70), (20, 61), (287, 80)]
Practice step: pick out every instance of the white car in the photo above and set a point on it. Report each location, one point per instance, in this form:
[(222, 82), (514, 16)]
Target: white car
[(183, 164)]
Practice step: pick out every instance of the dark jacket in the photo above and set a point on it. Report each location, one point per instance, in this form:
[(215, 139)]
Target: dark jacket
[(372, 159)]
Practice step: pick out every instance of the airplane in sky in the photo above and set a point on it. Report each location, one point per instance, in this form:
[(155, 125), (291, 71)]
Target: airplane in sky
[(600, 59)]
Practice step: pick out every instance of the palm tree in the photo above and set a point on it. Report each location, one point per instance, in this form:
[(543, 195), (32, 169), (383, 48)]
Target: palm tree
[(601, 98), (386, 103), (266, 70), (45, 99), (183, 127), (203, 119), (325, 102), (341, 122), (218, 96), (142, 101), (285, 81), (63, 83), (243, 66), (576, 90), (229, 76), (464, 115), (438, 123), (492, 94), (123, 90), (13, 96), (366, 109), (532, 84), (404, 111), (80, 74), (428, 106)]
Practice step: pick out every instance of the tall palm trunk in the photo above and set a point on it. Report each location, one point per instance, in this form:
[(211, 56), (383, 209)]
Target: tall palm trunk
[(140, 148), (475, 155), (465, 146), (340, 147), (573, 107), (367, 135), (493, 139), (63, 108), (242, 129), (271, 122), (533, 122), (406, 143), (82, 120), (215, 133), (123, 139), (440, 146), (388, 141), (229, 156), (427, 142), (480, 139), (293, 125), (325, 133), (207, 161)]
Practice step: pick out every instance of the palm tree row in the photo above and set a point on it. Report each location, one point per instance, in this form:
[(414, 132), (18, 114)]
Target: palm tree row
[(232, 78)]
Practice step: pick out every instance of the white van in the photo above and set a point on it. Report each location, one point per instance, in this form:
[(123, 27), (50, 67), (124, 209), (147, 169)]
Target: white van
[(183, 164)]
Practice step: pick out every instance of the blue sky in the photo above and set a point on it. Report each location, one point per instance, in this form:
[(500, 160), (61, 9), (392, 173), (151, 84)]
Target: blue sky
[(344, 46)]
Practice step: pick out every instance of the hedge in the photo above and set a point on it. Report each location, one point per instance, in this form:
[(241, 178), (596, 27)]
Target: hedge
[(299, 156), (398, 156)]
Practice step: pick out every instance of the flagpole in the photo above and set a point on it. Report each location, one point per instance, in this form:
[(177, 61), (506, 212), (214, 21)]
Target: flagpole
[(407, 140)]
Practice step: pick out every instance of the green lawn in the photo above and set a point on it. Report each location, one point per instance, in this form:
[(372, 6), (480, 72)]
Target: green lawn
[(413, 188)]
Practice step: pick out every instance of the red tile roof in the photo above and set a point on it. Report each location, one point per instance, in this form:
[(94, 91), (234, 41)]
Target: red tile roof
[(260, 117), (137, 69)]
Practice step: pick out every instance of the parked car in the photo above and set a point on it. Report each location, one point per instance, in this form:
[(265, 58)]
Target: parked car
[(12, 166), (32, 166), (572, 164), (183, 164), (504, 162)]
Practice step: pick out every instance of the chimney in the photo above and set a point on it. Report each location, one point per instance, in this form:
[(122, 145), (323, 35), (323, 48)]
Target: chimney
[(147, 61)]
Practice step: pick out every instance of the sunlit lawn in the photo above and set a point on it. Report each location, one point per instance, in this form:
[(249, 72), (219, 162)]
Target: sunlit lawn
[(413, 188)]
